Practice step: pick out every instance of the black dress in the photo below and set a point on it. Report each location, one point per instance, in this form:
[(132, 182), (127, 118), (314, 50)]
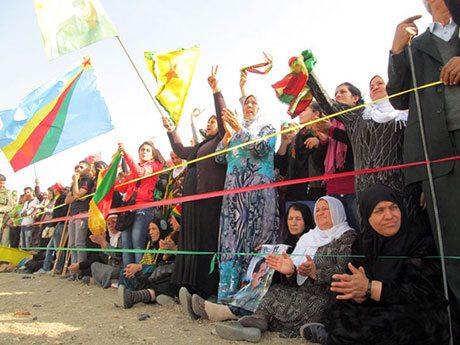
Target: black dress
[(200, 219), (412, 307)]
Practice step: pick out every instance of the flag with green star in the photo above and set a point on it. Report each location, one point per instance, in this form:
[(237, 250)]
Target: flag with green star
[(173, 71)]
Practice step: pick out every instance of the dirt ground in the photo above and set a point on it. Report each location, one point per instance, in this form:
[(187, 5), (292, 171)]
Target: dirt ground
[(63, 312)]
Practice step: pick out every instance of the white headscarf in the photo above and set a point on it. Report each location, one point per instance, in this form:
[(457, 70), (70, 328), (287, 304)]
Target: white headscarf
[(309, 243), (383, 111), (259, 120)]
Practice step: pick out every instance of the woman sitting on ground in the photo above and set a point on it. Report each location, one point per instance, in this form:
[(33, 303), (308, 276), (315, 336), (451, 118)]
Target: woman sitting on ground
[(299, 220), (149, 262), (318, 255), (110, 263), (386, 300), (157, 286)]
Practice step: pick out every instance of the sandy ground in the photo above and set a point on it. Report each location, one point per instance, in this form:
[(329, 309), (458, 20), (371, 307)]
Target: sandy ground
[(63, 312)]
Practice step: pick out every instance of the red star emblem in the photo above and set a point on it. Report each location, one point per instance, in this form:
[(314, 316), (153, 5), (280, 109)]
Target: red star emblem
[(171, 73), (86, 62)]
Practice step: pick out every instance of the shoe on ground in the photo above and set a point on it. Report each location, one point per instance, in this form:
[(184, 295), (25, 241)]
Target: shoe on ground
[(41, 271), (198, 306), (114, 286), (72, 278), (125, 297), (186, 301), (86, 280), (65, 276), (236, 332), (164, 299), (314, 332), (257, 321)]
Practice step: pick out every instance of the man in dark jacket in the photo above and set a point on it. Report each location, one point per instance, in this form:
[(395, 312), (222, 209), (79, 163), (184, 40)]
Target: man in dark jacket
[(436, 55)]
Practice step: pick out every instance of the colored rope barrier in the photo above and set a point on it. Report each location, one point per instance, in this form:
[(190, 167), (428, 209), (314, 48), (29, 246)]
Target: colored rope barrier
[(286, 130)]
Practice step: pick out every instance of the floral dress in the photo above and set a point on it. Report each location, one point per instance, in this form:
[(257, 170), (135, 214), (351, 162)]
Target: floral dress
[(247, 219)]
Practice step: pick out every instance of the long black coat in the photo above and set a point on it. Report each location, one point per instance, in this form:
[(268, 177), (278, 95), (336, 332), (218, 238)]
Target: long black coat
[(428, 66)]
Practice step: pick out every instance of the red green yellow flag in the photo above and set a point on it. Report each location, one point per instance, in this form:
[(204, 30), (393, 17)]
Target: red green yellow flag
[(69, 25), (293, 89), (173, 72), (99, 206), (60, 114)]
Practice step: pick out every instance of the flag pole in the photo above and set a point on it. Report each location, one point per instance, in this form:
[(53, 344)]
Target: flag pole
[(35, 171), (139, 75), (430, 181)]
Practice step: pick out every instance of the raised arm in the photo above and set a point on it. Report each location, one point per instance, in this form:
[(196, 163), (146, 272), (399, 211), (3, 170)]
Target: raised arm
[(219, 101), (175, 140)]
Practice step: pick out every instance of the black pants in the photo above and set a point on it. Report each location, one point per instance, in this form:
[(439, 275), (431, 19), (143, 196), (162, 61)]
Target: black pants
[(15, 233)]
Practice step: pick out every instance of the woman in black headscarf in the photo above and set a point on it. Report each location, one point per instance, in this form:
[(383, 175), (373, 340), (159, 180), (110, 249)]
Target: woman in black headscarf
[(393, 295), (200, 226)]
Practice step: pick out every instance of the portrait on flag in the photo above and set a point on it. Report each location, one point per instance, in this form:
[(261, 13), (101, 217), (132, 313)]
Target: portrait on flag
[(258, 279), (69, 25)]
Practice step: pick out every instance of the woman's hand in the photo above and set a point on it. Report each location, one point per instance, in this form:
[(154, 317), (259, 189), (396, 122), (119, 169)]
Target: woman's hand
[(74, 268), (168, 124), (243, 80), (232, 119), (121, 148), (322, 126), (167, 244), (307, 268), (282, 264), (212, 80), (131, 270), (99, 239), (312, 143), (352, 286), (257, 248), (195, 113)]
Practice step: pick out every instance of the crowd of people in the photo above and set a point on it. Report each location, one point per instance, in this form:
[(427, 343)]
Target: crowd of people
[(362, 264)]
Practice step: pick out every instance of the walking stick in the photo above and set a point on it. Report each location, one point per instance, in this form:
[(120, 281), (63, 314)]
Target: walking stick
[(62, 241), (66, 262), (430, 181)]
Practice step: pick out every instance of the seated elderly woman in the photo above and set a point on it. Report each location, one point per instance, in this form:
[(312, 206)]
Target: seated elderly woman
[(318, 255), (298, 221), (385, 300)]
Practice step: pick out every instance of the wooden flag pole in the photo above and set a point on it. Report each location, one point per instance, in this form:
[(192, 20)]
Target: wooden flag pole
[(139, 75), (62, 240)]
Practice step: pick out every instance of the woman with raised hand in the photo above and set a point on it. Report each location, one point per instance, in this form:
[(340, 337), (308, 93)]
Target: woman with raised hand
[(142, 192), (304, 295), (248, 219), (376, 134), (200, 225), (394, 294)]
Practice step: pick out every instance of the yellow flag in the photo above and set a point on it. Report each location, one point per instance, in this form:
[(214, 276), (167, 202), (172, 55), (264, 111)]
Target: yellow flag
[(173, 72), (69, 25)]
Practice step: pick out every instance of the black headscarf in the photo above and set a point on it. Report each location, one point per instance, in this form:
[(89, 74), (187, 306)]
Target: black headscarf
[(374, 246), (307, 219), (164, 231)]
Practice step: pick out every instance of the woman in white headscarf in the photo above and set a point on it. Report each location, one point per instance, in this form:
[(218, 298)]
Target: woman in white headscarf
[(376, 134), (309, 271), (247, 219)]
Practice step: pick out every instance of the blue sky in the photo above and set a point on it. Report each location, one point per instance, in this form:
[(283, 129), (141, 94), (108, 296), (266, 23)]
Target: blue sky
[(351, 39)]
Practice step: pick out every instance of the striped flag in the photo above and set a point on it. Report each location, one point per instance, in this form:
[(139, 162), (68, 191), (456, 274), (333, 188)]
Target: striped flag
[(58, 115), (100, 204)]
